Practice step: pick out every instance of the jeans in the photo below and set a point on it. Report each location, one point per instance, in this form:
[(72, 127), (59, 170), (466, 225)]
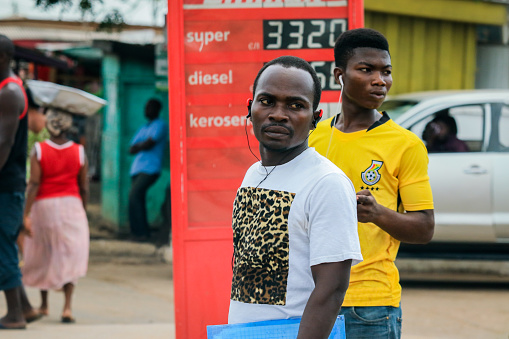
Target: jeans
[(380, 322), (11, 218), (140, 183)]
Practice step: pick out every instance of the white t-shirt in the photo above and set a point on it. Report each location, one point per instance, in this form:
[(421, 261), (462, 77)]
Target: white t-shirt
[(303, 214)]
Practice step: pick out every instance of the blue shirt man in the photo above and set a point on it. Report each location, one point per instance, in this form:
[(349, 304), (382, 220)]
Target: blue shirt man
[(149, 145), (150, 161)]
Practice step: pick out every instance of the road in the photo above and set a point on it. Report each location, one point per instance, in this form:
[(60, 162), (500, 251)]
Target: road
[(128, 293), (455, 310)]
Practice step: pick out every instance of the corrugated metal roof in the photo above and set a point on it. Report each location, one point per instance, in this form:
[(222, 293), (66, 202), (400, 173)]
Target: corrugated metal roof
[(25, 29), (53, 34), (469, 11), (38, 58)]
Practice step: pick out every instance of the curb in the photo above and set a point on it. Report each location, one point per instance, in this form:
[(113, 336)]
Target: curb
[(128, 252), (102, 250), (487, 269)]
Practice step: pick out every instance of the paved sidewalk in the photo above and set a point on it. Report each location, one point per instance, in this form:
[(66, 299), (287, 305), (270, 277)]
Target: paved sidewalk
[(124, 331), (127, 293)]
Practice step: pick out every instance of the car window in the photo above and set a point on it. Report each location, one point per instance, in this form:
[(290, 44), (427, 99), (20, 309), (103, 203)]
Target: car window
[(470, 120), (396, 108), (457, 129), (503, 127)]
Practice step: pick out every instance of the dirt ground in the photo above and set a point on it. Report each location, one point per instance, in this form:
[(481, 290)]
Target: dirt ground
[(128, 293), (136, 291), (455, 310)]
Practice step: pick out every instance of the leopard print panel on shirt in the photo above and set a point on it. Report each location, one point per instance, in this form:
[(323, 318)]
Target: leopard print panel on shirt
[(261, 246)]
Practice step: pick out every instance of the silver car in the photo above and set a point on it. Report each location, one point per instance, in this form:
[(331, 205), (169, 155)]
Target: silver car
[(469, 171)]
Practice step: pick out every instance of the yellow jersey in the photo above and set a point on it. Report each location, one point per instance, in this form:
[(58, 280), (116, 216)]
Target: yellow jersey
[(392, 163)]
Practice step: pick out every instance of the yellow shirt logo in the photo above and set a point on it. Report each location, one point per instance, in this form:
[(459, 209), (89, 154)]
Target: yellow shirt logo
[(371, 176)]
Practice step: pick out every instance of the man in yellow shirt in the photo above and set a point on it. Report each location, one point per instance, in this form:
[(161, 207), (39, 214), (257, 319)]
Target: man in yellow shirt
[(388, 167)]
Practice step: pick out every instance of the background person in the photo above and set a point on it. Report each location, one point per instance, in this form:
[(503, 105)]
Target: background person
[(56, 250), (440, 134), (36, 118), (294, 217), (388, 167), (149, 144), (36, 132), (13, 146)]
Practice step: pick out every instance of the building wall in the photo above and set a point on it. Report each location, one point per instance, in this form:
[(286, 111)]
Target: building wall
[(493, 66), (427, 54), (433, 43), (111, 163), (129, 84)]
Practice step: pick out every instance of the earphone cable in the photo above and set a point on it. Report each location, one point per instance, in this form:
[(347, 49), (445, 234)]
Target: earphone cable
[(250, 150), (268, 173), (335, 119), (280, 161)]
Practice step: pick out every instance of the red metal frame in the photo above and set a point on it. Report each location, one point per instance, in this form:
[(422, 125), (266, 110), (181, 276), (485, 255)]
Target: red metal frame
[(202, 249), (175, 31)]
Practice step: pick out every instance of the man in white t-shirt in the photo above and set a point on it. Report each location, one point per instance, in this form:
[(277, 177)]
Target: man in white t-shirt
[(295, 215)]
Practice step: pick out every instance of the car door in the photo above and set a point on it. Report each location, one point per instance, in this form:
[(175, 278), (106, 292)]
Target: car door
[(499, 146), (461, 181)]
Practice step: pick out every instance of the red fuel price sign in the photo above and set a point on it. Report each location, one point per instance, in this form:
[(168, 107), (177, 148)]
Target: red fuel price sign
[(215, 49)]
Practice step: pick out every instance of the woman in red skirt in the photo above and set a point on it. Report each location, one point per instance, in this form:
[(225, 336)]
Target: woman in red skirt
[(56, 251)]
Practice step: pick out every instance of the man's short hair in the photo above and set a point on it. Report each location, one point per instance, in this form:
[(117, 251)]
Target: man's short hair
[(348, 41), (289, 61), (6, 46), (448, 120), (154, 105)]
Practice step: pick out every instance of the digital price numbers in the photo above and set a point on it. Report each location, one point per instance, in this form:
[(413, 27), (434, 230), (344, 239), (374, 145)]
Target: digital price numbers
[(302, 34), (306, 34)]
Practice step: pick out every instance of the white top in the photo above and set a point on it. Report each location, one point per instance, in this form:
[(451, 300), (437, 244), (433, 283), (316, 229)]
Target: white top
[(303, 214), (38, 150)]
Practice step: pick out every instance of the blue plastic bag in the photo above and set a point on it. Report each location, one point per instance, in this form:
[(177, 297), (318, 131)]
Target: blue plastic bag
[(271, 329)]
